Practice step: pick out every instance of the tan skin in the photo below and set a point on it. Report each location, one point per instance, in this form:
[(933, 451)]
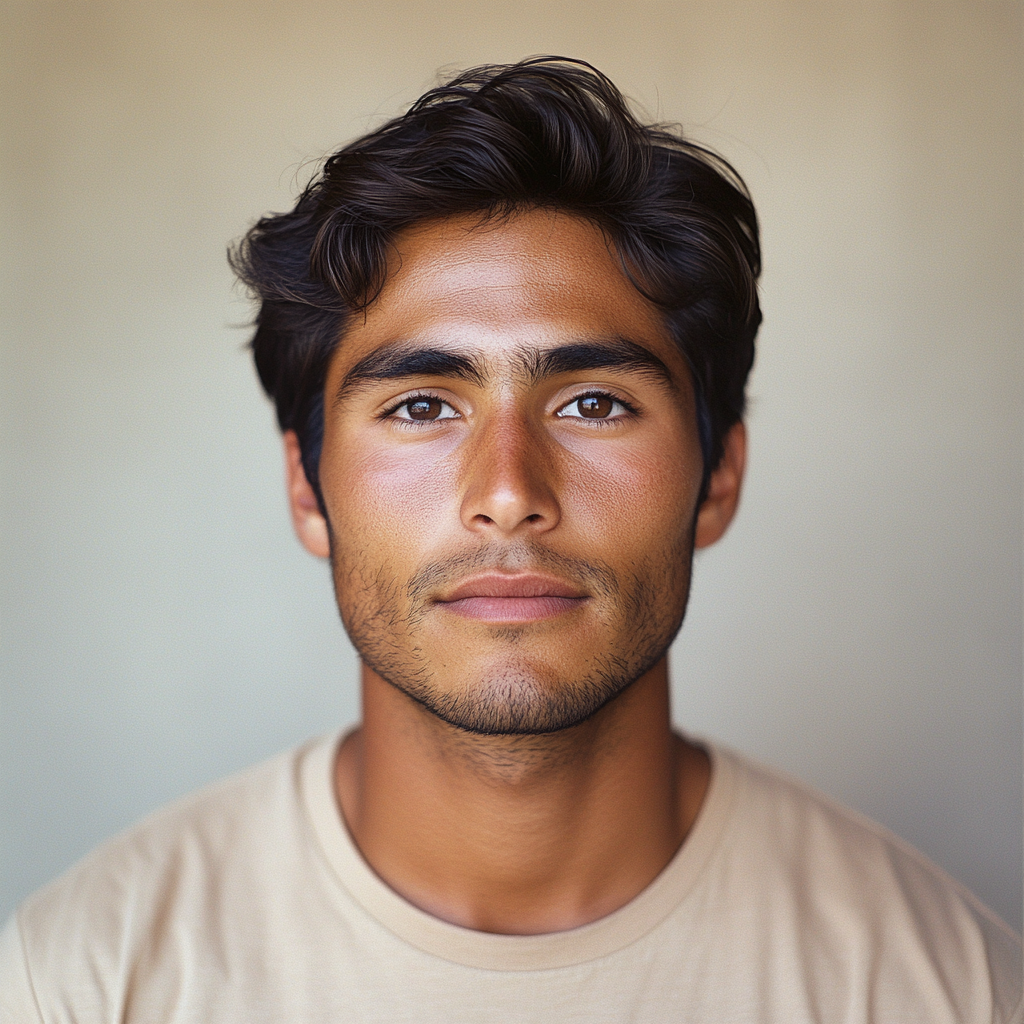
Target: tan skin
[(508, 544)]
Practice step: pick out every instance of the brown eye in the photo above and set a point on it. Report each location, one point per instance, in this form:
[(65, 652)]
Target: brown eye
[(424, 408), (595, 407)]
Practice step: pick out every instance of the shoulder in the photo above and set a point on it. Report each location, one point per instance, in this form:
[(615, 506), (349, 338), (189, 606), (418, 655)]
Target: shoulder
[(170, 874), (189, 833), (863, 899)]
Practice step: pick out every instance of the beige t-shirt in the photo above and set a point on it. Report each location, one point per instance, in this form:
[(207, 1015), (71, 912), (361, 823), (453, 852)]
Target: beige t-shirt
[(248, 903)]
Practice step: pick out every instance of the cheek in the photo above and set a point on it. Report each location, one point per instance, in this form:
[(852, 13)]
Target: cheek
[(635, 495), (401, 500)]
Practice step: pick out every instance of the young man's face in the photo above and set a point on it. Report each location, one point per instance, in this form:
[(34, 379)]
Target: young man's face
[(510, 470)]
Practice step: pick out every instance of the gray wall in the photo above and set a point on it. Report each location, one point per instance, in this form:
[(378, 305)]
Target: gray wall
[(861, 624)]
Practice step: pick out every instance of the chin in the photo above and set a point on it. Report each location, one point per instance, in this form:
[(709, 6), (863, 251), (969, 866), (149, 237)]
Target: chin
[(514, 701)]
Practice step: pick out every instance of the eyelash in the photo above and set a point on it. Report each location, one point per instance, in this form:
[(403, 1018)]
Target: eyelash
[(389, 413), (599, 421)]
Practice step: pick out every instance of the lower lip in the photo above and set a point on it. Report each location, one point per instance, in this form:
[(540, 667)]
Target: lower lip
[(512, 609)]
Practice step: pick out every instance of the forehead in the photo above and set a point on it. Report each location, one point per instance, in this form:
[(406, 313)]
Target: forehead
[(535, 279)]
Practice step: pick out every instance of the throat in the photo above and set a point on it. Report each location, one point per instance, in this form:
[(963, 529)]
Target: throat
[(520, 834)]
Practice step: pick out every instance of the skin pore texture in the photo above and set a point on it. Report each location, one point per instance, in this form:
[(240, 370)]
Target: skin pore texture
[(510, 471)]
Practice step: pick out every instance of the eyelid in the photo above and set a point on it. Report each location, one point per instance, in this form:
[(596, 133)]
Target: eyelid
[(627, 405), (392, 408)]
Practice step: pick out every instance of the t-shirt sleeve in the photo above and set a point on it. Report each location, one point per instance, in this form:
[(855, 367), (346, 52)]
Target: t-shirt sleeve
[(17, 998)]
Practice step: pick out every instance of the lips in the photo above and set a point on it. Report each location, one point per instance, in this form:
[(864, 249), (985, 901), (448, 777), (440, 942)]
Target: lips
[(527, 597)]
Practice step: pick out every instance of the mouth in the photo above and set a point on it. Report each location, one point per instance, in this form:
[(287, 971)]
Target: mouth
[(526, 597)]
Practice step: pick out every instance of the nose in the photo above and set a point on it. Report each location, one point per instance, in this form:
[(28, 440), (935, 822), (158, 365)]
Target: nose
[(510, 485)]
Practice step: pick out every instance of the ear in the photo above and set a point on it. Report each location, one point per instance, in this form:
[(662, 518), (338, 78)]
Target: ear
[(723, 495), (310, 525)]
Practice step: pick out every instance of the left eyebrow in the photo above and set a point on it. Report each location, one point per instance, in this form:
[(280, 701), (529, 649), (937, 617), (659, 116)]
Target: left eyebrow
[(618, 354), (397, 362)]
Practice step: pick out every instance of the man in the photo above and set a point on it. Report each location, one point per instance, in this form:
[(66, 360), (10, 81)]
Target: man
[(508, 337)]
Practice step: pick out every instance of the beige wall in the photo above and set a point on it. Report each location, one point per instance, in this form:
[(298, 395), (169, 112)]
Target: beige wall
[(861, 625)]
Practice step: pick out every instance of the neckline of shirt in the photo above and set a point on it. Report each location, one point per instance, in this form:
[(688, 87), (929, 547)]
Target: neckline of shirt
[(488, 951)]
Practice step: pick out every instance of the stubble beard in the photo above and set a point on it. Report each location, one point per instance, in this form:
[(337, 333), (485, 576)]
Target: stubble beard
[(383, 616)]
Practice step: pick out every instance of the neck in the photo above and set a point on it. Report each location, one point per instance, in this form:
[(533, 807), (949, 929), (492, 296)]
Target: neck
[(520, 834)]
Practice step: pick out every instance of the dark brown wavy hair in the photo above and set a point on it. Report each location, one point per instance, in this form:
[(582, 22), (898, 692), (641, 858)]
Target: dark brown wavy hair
[(548, 132)]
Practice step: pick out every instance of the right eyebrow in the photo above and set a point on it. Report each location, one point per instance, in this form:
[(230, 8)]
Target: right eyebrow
[(393, 362), (614, 354)]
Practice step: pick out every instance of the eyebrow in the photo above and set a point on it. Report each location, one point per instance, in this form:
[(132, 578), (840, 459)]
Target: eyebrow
[(616, 354), (395, 362)]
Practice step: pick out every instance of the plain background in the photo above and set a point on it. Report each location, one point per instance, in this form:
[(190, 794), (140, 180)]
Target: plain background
[(859, 627)]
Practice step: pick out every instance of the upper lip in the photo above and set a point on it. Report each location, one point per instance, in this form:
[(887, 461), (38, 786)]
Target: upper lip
[(518, 585)]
